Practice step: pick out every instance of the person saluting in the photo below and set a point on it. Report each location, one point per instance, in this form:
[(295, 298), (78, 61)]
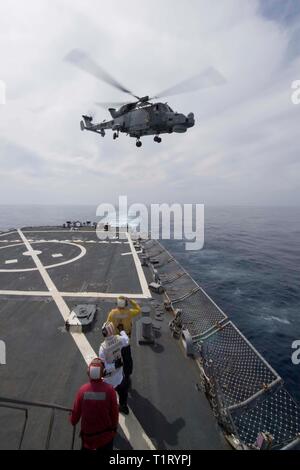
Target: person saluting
[(121, 317)]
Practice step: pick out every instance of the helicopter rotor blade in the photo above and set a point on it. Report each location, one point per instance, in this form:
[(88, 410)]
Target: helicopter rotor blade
[(207, 78), (83, 61), (110, 105)]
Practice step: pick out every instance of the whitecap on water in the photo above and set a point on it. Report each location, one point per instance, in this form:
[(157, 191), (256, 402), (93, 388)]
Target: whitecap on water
[(280, 320)]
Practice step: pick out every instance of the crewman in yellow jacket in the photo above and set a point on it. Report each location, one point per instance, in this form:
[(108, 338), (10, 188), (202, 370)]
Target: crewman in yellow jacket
[(121, 317)]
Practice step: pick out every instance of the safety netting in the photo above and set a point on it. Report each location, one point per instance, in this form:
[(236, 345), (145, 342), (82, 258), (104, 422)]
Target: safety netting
[(248, 396), (276, 413)]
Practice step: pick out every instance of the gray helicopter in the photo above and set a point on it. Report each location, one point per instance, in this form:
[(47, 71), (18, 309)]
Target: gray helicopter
[(142, 117)]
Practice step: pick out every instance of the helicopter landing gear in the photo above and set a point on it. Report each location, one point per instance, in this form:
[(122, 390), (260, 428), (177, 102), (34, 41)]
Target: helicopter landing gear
[(138, 143), (157, 139)]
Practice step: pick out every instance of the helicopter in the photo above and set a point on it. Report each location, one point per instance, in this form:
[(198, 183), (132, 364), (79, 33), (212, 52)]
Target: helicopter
[(143, 116)]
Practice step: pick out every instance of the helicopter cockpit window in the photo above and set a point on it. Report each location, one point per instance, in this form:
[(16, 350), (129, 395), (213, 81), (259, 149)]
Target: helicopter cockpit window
[(160, 107), (164, 107)]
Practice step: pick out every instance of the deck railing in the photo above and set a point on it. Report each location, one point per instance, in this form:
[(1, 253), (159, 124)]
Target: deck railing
[(24, 406)]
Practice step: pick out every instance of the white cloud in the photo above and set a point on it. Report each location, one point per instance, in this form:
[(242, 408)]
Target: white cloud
[(243, 148)]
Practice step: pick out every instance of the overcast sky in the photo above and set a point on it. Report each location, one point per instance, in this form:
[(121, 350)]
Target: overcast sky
[(244, 148)]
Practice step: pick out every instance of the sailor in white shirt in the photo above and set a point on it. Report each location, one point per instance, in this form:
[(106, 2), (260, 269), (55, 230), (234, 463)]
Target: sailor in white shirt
[(110, 354)]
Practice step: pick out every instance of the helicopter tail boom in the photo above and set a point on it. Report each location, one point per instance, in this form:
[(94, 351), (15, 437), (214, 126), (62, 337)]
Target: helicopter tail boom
[(87, 124)]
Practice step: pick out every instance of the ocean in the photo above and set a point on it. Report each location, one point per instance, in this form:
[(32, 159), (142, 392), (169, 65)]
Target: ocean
[(249, 265)]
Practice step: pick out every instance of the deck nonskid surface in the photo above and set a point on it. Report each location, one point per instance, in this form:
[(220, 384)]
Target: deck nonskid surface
[(44, 362)]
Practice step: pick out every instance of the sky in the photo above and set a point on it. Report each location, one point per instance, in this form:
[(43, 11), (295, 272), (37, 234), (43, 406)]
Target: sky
[(244, 148)]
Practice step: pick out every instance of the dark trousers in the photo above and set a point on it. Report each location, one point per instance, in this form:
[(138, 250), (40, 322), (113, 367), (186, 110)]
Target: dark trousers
[(122, 391), (127, 361), (108, 447)]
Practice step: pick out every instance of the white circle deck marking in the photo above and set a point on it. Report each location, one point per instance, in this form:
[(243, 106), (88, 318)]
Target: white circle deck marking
[(63, 263)]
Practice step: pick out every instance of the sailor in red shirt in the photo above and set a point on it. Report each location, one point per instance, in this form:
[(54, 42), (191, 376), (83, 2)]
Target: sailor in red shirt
[(96, 404)]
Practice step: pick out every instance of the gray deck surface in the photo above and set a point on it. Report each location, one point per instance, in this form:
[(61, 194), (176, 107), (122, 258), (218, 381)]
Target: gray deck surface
[(44, 363)]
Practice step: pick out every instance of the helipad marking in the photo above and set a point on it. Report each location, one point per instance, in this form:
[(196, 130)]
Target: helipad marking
[(98, 295), (131, 426), (33, 240), (11, 261), (140, 272), (27, 253), (7, 233), (25, 293), (103, 295), (130, 253), (61, 231), (63, 263), (57, 255)]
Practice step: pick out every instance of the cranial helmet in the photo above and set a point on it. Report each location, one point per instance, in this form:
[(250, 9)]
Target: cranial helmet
[(108, 329), (96, 369)]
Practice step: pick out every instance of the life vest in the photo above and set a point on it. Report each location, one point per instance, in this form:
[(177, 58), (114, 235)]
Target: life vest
[(112, 346)]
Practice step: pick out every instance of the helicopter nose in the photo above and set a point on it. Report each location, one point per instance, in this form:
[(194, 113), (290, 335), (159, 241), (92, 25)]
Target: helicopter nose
[(183, 122), (190, 120)]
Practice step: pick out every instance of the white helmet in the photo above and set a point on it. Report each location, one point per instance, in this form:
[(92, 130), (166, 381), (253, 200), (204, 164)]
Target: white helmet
[(122, 302), (96, 369)]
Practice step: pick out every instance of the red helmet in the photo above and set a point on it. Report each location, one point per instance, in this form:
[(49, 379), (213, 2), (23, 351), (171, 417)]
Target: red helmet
[(96, 369)]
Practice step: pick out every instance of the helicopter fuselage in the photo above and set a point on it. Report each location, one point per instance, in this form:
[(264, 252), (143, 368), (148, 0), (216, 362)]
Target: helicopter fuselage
[(142, 117), (147, 119)]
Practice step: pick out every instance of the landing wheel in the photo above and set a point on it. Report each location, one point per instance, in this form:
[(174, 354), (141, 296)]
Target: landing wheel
[(157, 139), (115, 135), (138, 143)]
